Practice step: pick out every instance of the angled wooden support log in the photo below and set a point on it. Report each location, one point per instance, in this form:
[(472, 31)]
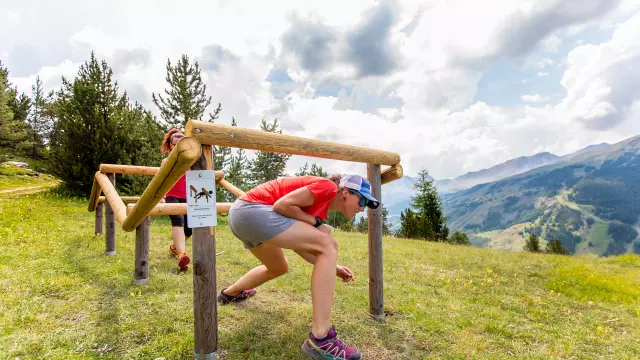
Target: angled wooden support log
[(230, 188), (125, 199), (225, 135), (392, 173), (107, 183), (183, 155)]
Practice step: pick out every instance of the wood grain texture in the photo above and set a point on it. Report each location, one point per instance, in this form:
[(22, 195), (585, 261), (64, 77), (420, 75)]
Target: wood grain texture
[(376, 298), (99, 218), (108, 183), (138, 170), (141, 268), (95, 193), (205, 311), (125, 199), (179, 209), (392, 173), (183, 155), (225, 135)]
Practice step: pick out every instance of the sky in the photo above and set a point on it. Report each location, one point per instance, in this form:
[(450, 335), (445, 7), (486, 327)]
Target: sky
[(452, 86)]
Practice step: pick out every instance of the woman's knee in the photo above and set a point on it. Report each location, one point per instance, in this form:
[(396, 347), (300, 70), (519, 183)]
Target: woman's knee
[(278, 269), (327, 245)]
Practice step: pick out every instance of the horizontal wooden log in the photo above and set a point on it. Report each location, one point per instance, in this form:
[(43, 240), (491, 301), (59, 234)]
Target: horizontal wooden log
[(230, 187), (125, 199), (180, 159), (179, 209), (95, 194), (112, 196), (393, 173), (138, 170), (225, 135)]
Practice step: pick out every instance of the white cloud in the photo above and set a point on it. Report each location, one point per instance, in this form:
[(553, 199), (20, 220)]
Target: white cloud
[(603, 81), (534, 98), (436, 125)]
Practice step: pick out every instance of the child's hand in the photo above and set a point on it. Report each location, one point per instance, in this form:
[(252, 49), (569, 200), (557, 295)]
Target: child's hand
[(344, 273)]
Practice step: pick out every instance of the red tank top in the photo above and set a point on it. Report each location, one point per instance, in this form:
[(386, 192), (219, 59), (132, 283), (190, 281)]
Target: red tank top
[(179, 190)]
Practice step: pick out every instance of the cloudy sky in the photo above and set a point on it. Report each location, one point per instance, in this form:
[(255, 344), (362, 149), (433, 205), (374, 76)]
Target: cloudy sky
[(452, 86)]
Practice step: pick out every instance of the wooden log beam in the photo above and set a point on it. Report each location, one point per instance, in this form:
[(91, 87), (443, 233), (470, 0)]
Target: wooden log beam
[(205, 310), (95, 193), (141, 267), (110, 218), (180, 159), (388, 175), (138, 170), (125, 199), (179, 209), (376, 299), (230, 187), (225, 135), (99, 218), (110, 193)]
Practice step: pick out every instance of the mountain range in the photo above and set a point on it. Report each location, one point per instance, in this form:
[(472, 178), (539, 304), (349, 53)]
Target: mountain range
[(589, 200)]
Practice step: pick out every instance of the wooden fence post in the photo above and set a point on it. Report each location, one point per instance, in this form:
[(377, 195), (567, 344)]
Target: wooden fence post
[(99, 218), (205, 311), (141, 272), (111, 222), (376, 298)]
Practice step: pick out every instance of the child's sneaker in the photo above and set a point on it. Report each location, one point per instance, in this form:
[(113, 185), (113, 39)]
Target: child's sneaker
[(331, 348), (173, 251), (183, 261), (243, 295)]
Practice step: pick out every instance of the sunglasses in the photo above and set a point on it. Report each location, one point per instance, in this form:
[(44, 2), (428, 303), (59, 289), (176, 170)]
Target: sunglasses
[(363, 200)]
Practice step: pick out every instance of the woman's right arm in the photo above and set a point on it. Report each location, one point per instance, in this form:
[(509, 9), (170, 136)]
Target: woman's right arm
[(291, 205)]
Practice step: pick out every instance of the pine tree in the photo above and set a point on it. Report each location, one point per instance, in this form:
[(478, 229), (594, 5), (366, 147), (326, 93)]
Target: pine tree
[(90, 109), (363, 225), (408, 224), (386, 226), (428, 206), (39, 120), (13, 110), (315, 170), (268, 165), (186, 97), (556, 247), (459, 238), (532, 244)]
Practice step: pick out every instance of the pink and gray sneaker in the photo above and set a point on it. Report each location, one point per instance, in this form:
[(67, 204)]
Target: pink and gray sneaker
[(243, 295), (330, 348)]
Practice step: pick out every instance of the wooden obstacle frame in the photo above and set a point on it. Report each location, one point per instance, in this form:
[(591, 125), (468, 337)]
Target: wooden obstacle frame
[(195, 152)]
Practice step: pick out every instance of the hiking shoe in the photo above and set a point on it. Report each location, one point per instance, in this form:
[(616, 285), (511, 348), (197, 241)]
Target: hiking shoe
[(173, 251), (183, 261), (243, 295), (330, 349)]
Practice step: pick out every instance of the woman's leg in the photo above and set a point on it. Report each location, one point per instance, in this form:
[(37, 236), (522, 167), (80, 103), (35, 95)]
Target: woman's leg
[(274, 265), (177, 234), (301, 237)]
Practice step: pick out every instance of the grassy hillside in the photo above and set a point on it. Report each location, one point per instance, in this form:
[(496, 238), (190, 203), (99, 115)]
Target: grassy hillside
[(591, 204), (62, 298)]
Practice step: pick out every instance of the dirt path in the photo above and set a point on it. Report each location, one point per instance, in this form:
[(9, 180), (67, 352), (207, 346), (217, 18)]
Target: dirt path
[(23, 189)]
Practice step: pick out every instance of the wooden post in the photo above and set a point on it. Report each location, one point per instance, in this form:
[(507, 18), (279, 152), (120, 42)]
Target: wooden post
[(141, 272), (111, 223), (205, 311), (376, 299), (99, 218)]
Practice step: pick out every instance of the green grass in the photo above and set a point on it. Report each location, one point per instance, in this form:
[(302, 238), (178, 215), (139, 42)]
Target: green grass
[(62, 298)]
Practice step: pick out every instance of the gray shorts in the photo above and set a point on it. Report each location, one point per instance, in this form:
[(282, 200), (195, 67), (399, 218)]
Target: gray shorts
[(255, 223)]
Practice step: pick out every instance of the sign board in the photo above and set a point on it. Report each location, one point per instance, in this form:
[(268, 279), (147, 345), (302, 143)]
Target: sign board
[(201, 201)]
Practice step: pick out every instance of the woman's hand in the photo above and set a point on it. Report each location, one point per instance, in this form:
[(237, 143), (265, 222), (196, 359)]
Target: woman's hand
[(162, 201), (344, 273), (325, 229)]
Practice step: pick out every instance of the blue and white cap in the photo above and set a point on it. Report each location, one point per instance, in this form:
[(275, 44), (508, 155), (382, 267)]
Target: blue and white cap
[(362, 186)]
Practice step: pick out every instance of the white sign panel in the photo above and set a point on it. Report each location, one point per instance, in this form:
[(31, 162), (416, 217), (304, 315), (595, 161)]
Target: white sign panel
[(201, 201)]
